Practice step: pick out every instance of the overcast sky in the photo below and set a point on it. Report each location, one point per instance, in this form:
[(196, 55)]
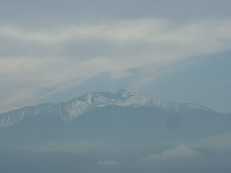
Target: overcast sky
[(54, 50)]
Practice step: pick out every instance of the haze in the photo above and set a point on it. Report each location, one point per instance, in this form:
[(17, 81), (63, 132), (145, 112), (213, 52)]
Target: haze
[(52, 51)]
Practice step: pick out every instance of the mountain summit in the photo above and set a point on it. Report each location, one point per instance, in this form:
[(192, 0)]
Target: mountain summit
[(72, 109), (122, 127)]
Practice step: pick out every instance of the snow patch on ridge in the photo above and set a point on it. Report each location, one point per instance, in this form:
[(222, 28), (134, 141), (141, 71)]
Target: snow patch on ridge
[(81, 105)]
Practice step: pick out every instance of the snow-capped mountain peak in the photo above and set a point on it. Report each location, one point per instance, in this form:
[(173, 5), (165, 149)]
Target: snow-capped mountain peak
[(123, 93), (70, 110), (91, 101)]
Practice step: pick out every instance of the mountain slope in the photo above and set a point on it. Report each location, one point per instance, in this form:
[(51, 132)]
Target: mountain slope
[(70, 110), (105, 131)]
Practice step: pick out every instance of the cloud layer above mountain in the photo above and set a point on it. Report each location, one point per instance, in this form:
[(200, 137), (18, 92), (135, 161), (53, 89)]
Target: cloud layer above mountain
[(48, 47)]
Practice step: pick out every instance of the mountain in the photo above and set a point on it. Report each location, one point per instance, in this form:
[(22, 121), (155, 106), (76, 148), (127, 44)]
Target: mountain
[(72, 109), (115, 132)]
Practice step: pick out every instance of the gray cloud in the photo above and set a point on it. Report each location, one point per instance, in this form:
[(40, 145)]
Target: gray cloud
[(61, 44), (38, 13), (56, 57), (180, 151), (220, 143)]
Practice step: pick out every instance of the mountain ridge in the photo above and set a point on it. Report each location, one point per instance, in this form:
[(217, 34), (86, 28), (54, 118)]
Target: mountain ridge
[(73, 108)]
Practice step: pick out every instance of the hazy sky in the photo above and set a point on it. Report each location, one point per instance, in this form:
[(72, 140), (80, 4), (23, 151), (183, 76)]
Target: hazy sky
[(54, 50)]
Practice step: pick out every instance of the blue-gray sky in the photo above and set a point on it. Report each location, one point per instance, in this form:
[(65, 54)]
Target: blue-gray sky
[(54, 50)]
